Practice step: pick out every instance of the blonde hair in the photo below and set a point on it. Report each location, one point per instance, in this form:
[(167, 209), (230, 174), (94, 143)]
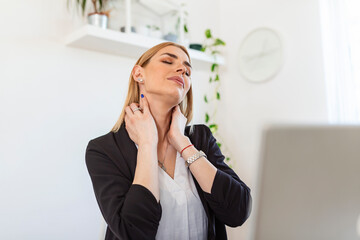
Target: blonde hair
[(186, 106)]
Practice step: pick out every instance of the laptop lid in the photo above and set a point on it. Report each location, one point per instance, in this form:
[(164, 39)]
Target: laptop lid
[(309, 183)]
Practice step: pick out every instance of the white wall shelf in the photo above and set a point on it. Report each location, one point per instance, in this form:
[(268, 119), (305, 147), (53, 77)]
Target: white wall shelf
[(127, 44)]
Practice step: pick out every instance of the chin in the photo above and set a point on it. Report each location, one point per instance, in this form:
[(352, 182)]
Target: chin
[(175, 98), (171, 95)]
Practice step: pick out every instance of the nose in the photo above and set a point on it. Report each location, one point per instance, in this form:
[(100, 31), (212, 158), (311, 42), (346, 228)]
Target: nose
[(181, 69)]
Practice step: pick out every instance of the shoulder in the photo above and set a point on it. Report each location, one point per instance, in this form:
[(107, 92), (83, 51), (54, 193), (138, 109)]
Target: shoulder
[(116, 147), (198, 129), (101, 141), (110, 140), (106, 145), (200, 136)]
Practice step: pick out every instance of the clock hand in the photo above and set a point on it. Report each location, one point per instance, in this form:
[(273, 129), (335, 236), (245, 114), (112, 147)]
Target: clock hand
[(270, 51), (253, 57), (250, 58)]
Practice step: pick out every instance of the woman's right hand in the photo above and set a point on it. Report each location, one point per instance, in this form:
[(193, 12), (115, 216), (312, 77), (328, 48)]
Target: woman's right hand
[(140, 125)]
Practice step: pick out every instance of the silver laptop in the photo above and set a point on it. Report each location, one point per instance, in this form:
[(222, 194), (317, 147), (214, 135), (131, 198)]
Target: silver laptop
[(308, 184)]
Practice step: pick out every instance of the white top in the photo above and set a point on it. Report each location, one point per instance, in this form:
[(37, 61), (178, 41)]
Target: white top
[(183, 215)]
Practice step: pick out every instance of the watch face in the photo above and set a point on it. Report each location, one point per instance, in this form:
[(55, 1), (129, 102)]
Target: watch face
[(260, 55)]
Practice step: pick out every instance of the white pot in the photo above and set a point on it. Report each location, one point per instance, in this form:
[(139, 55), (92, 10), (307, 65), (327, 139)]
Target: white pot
[(99, 20)]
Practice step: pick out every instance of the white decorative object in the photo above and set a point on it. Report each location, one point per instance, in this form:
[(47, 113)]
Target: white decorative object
[(260, 55)]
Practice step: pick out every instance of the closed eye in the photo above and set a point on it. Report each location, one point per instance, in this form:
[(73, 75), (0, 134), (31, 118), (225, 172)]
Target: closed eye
[(187, 73)]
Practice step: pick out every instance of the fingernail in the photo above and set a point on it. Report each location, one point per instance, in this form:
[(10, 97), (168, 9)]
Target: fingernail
[(142, 95)]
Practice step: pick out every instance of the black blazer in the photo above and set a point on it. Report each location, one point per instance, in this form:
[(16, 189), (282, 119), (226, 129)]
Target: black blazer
[(131, 210)]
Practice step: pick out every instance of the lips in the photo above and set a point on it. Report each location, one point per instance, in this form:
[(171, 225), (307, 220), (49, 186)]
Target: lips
[(178, 79)]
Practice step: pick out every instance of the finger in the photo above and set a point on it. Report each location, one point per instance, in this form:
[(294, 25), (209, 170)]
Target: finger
[(176, 109), (144, 103), (179, 109), (128, 111), (133, 106), (141, 101), (126, 119)]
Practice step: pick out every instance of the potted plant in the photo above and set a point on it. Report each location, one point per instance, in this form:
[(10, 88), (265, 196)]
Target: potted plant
[(99, 17), (175, 35)]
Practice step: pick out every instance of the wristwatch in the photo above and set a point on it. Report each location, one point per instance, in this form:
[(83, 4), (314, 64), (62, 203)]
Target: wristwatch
[(195, 157)]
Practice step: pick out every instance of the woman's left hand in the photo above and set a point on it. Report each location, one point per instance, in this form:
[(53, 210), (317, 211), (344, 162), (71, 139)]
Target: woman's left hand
[(177, 128)]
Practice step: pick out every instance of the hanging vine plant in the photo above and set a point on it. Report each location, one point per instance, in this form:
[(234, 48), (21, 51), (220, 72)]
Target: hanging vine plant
[(211, 46)]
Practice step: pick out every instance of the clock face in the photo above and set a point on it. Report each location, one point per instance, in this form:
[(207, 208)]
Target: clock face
[(260, 55)]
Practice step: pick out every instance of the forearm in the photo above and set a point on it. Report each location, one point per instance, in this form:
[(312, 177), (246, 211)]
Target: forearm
[(146, 172), (202, 169)]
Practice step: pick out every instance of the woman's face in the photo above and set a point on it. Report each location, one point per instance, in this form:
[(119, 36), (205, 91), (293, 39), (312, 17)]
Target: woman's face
[(167, 75)]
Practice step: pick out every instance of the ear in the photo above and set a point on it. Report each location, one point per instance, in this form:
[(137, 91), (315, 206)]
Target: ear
[(137, 72)]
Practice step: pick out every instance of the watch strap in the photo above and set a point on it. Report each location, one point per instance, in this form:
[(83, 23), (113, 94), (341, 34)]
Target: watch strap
[(195, 157)]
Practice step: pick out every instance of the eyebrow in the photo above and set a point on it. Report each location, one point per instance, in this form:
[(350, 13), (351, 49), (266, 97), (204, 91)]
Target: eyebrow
[(176, 57)]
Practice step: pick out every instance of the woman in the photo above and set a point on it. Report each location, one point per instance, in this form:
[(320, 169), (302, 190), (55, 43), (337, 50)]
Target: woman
[(149, 177)]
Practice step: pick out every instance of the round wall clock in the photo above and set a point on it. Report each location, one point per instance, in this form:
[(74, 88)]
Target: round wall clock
[(260, 55)]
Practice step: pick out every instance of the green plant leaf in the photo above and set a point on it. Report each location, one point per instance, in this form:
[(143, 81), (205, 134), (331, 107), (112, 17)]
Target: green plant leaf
[(230, 166), (218, 41), (219, 144), (208, 33), (83, 5), (213, 66), (227, 159), (205, 98), (101, 5), (68, 4), (218, 95), (210, 80), (217, 77), (185, 28), (214, 52), (206, 117), (213, 128), (203, 49)]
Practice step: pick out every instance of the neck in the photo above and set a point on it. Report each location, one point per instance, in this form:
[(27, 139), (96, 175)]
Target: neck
[(162, 113)]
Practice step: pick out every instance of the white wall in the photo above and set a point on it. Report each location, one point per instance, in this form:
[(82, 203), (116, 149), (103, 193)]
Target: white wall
[(296, 94), (54, 99)]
